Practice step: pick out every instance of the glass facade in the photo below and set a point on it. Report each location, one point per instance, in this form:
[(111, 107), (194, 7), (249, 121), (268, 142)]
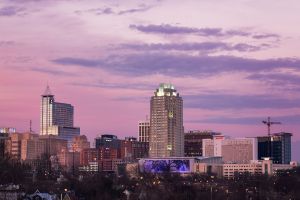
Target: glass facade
[(57, 118), (276, 146)]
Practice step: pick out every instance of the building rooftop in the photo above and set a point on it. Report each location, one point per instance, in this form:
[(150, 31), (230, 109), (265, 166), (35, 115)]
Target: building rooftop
[(47, 92), (166, 89)]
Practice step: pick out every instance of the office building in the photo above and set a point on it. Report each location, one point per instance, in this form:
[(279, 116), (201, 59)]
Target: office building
[(276, 146), (88, 156), (68, 160), (237, 150), (193, 142), (166, 123), (144, 131), (213, 147), (3, 142), (7, 130), (57, 118), (32, 148), (14, 144), (79, 143), (131, 149), (107, 140), (54, 144)]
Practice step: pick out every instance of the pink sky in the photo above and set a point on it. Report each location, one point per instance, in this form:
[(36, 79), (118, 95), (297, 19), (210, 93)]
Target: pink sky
[(234, 62)]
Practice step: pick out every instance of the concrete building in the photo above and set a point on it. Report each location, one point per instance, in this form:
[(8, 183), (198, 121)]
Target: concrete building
[(166, 123), (32, 148), (3, 142), (79, 143), (106, 159), (131, 149), (107, 140), (213, 147), (144, 131), (68, 160), (88, 155), (54, 144), (237, 150), (193, 142), (14, 144), (277, 147), (57, 118), (7, 130)]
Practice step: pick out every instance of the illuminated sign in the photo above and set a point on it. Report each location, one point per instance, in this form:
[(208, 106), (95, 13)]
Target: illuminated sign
[(161, 166)]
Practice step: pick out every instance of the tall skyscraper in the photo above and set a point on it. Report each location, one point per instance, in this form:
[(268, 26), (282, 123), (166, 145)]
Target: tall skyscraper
[(166, 123), (276, 146), (57, 118), (144, 130)]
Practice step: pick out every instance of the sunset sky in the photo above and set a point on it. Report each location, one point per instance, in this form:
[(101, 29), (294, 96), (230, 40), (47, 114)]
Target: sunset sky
[(234, 62)]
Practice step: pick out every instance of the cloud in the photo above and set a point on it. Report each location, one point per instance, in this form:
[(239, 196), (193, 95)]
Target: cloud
[(77, 61), (179, 65), (52, 71), (264, 36), (204, 46), (286, 119), (169, 29), (112, 11), (283, 81), (206, 32), (133, 86), (141, 8), (6, 43), (9, 11), (237, 102)]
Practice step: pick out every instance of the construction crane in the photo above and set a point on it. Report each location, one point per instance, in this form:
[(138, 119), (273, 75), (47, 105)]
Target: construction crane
[(269, 123)]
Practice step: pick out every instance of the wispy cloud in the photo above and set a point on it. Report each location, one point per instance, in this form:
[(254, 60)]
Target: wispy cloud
[(113, 11), (179, 65), (131, 86), (204, 46), (6, 43), (287, 81), (52, 71), (9, 11), (285, 119), (206, 32), (237, 102), (169, 29), (264, 36)]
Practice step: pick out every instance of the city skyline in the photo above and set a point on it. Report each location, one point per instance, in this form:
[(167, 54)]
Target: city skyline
[(235, 69)]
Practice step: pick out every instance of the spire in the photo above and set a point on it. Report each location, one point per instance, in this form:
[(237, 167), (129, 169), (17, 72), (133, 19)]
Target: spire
[(47, 91)]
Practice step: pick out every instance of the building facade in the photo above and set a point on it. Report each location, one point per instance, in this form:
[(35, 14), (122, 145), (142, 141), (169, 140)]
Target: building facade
[(144, 131), (107, 140), (131, 149), (193, 142), (3, 142), (166, 123), (57, 118), (79, 143), (213, 147), (276, 146), (237, 150)]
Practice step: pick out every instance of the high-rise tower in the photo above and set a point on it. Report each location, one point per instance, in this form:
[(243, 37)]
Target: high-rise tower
[(47, 111), (57, 118), (166, 123)]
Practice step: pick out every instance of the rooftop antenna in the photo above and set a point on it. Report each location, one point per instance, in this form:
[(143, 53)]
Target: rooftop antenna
[(30, 126), (269, 123)]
